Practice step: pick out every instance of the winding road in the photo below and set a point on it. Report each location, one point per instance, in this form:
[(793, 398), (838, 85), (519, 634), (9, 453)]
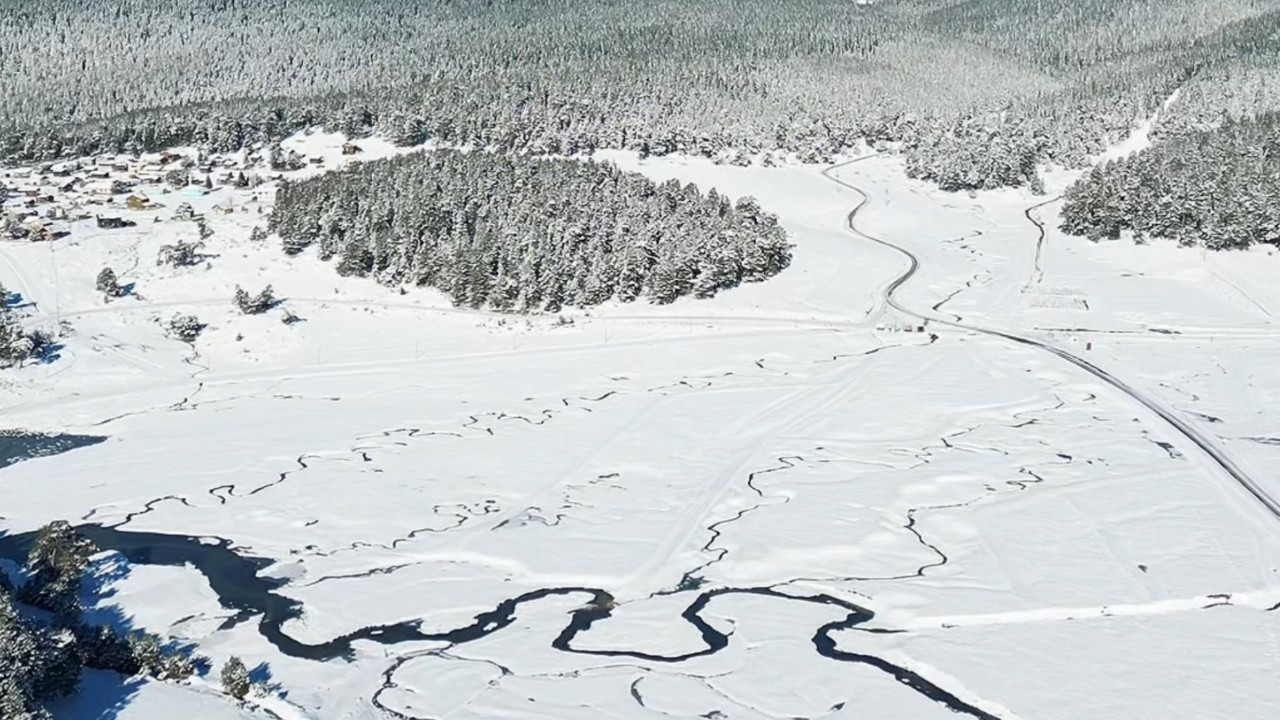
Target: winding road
[(1211, 449)]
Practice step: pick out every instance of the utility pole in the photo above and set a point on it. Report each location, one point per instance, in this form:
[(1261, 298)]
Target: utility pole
[(57, 289)]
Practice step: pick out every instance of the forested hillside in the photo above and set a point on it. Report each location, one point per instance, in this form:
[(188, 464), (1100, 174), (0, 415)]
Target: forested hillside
[(518, 233), (1218, 188), (1213, 176), (977, 91)]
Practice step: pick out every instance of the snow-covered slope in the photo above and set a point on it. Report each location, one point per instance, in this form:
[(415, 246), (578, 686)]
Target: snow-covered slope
[(1033, 544)]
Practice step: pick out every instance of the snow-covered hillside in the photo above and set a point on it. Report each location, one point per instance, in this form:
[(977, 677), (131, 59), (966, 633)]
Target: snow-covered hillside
[(783, 502)]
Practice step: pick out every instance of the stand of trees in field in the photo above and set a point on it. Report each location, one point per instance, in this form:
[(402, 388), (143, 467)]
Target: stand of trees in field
[(976, 91), (514, 232), (17, 343), (45, 642), (1217, 188)]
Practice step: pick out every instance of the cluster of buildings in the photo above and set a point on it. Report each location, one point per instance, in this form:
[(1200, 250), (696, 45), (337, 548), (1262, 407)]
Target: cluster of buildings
[(38, 202)]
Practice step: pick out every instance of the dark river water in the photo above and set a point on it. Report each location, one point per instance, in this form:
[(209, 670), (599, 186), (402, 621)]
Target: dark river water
[(238, 582), (18, 445)]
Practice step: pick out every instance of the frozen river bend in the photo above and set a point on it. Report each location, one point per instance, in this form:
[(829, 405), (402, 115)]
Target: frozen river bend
[(773, 504)]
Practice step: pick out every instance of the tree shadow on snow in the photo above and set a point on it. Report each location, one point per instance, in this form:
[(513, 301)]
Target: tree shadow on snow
[(103, 695), (15, 301), (104, 571), (50, 353), (261, 676)]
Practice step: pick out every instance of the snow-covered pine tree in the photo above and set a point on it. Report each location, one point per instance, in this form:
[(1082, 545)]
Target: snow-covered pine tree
[(57, 562), (235, 678), (186, 328), (108, 284), (183, 253), (255, 304), (37, 664)]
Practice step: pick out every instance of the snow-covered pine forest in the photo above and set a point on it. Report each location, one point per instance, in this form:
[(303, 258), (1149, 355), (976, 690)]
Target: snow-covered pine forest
[(516, 232), (977, 93), (1212, 178), (1216, 188), (46, 642)]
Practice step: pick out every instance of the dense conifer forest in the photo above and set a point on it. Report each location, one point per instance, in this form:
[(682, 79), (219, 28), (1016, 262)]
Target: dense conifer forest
[(1213, 176), (976, 91), (1218, 188), (518, 233)]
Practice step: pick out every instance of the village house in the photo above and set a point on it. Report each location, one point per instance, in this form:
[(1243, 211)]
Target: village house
[(351, 149), (100, 188), (112, 222), (38, 231)]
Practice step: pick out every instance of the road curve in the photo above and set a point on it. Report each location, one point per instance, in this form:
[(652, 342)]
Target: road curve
[(1208, 446), (1037, 273)]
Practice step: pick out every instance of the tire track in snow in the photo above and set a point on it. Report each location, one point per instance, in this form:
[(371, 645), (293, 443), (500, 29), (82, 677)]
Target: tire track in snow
[(1253, 599)]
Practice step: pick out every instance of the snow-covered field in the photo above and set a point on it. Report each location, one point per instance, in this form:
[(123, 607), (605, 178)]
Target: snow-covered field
[(1033, 542)]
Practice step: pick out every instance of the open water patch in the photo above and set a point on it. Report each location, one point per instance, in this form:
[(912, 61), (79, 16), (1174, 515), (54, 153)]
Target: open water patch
[(19, 445)]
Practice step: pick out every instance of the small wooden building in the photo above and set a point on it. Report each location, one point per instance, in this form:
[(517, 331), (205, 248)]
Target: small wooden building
[(111, 222)]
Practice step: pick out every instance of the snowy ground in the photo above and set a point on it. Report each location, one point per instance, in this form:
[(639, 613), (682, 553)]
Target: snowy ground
[(1031, 541)]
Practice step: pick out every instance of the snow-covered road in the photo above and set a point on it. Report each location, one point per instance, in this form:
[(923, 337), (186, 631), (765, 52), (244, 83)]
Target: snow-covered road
[(1207, 445)]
